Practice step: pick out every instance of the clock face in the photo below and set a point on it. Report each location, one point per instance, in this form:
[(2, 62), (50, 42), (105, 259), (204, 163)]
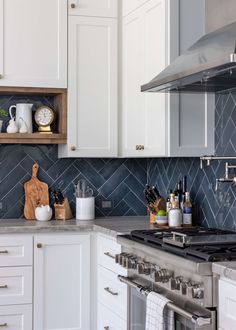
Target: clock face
[(44, 116)]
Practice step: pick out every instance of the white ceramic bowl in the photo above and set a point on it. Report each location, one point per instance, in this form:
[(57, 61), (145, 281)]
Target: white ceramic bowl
[(161, 220)]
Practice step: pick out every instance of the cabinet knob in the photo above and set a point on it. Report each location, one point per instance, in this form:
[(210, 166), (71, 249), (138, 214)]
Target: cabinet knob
[(73, 5), (39, 245), (106, 328), (73, 148), (1, 76)]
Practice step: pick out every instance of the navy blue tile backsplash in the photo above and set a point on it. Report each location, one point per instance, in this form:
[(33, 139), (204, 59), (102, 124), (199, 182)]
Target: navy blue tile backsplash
[(122, 181)]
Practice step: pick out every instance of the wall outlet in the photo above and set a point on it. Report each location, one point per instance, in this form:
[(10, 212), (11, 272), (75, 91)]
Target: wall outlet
[(106, 205)]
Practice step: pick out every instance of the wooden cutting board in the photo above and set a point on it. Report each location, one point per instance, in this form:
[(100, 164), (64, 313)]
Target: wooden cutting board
[(36, 193)]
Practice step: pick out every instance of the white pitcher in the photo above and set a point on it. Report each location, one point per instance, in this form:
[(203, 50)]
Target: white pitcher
[(24, 111)]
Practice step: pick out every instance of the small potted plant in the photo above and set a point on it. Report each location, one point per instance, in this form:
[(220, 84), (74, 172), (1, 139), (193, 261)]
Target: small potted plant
[(3, 119)]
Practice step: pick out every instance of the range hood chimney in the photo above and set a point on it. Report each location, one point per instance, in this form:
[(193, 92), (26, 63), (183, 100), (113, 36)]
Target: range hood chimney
[(210, 64)]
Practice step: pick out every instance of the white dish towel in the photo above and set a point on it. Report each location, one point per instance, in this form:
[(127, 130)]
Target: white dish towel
[(158, 315)]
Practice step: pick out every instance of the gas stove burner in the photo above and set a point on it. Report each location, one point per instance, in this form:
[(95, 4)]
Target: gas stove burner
[(213, 253), (203, 244)]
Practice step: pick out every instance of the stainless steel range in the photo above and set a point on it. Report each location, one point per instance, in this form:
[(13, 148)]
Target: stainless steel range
[(177, 263)]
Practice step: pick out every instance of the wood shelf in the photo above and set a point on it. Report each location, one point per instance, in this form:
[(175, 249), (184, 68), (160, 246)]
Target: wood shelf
[(60, 106), (34, 138)]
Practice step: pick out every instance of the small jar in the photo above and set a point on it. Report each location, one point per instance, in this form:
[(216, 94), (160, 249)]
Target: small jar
[(175, 218)]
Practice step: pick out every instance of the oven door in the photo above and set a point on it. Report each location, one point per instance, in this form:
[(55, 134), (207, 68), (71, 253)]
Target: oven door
[(137, 315)]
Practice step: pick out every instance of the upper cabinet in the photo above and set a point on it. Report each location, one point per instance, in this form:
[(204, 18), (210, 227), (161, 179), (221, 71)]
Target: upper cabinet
[(33, 43), (145, 49), (159, 124), (99, 8), (92, 86)]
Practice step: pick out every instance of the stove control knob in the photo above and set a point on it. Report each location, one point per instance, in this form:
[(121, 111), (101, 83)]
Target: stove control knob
[(175, 282), (183, 288), (144, 268), (162, 275), (129, 261), (120, 257), (197, 292), (140, 268)]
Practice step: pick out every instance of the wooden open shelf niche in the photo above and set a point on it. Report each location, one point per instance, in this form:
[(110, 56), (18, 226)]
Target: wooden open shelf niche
[(60, 105)]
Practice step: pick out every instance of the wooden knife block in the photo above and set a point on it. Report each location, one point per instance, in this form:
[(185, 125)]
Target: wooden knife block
[(63, 211)]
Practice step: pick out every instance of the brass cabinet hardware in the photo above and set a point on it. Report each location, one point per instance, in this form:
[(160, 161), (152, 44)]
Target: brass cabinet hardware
[(106, 328), (73, 148), (3, 252), (111, 292), (109, 255), (39, 245), (73, 5), (139, 147), (3, 286), (3, 325)]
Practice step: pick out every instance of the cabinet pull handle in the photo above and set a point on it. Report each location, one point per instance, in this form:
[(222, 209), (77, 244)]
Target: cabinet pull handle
[(3, 325), (111, 292), (73, 5), (39, 245), (106, 328), (109, 255), (3, 286), (3, 252), (139, 147)]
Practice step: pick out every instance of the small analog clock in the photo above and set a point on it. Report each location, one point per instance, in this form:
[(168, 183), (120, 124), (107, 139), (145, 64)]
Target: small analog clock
[(44, 116)]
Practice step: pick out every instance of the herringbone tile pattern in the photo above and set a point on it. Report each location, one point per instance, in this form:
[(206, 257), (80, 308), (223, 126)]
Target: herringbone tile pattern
[(211, 208), (122, 180)]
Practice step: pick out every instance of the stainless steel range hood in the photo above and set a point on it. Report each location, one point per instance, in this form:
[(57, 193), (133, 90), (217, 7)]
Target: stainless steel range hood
[(210, 64)]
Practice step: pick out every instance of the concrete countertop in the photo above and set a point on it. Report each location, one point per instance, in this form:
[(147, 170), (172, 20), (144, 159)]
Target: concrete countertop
[(225, 269), (110, 226)]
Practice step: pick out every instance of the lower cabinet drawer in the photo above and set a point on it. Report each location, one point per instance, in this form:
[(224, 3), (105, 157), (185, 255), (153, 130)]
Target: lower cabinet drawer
[(111, 292), (107, 320), (15, 285), (16, 317), (107, 248)]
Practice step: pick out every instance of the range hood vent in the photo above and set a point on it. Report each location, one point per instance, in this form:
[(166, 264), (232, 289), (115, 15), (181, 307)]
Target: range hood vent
[(208, 66)]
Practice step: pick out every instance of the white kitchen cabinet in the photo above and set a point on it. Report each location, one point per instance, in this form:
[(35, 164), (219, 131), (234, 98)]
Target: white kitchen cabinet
[(146, 51), (62, 282), (108, 320), (92, 88), (33, 43), (112, 295), (159, 124), (17, 317), (101, 8), (227, 304)]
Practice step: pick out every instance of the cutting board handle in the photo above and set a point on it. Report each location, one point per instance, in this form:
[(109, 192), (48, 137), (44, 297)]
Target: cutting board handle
[(35, 170)]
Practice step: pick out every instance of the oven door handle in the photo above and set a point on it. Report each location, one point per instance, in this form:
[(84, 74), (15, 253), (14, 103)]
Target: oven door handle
[(200, 320), (196, 319)]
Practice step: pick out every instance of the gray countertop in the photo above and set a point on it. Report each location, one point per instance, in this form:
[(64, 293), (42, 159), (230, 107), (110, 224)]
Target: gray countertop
[(225, 269), (110, 226)]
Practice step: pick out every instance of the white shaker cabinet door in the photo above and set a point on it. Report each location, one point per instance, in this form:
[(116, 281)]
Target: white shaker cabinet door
[(99, 8), (16, 317), (227, 305), (62, 282), (145, 53), (33, 39), (92, 88)]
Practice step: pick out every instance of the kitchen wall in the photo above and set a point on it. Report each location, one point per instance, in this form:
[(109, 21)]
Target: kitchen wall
[(121, 181), (212, 208)]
